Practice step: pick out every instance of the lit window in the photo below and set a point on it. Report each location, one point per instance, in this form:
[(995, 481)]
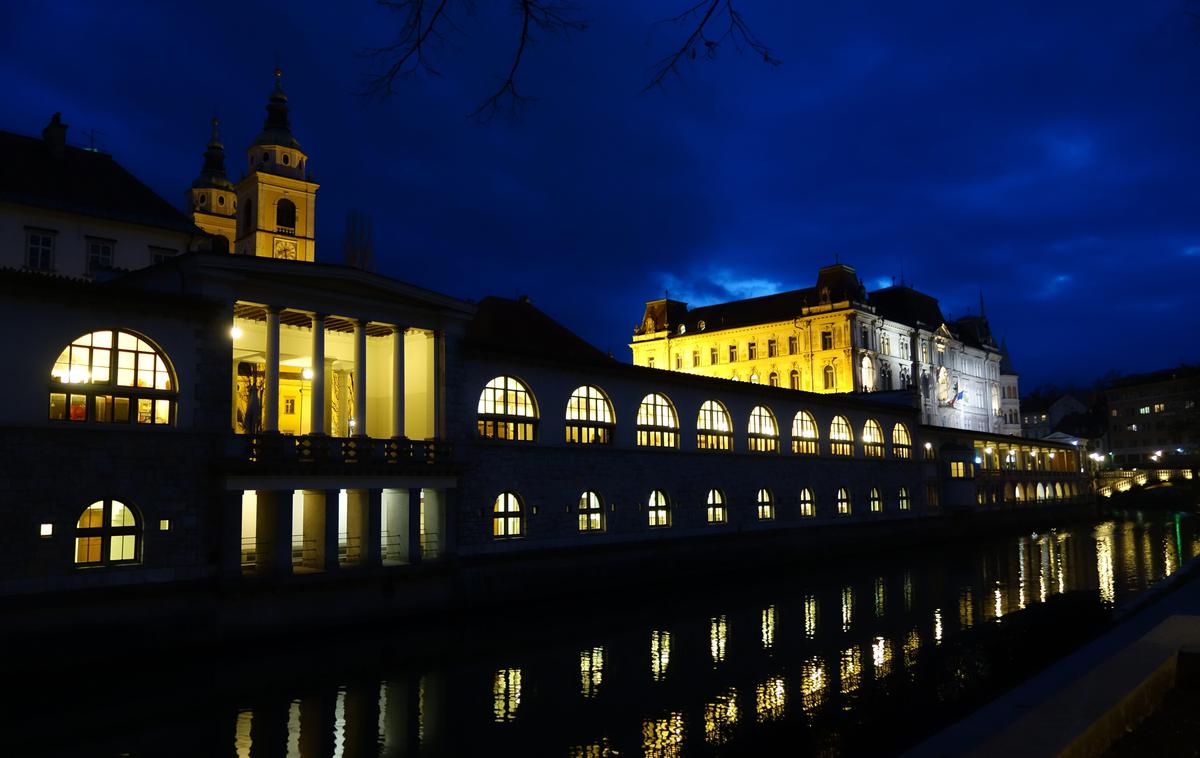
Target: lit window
[(875, 500), (713, 429), (657, 422), (507, 410), (763, 432), (107, 533), (508, 517), (591, 512), (164, 525), (112, 376), (658, 509), (589, 417), (958, 469), (868, 374), (901, 441), (766, 505), (794, 379), (716, 507), (843, 502), (872, 439), (804, 434), (39, 249), (808, 507), (46, 530), (830, 378), (841, 437), (904, 499)]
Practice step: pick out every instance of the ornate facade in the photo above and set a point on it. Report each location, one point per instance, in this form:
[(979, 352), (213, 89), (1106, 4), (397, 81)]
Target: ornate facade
[(836, 338)]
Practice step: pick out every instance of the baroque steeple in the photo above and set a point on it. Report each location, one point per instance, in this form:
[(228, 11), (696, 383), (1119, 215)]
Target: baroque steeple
[(212, 174), (211, 196), (277, 129)]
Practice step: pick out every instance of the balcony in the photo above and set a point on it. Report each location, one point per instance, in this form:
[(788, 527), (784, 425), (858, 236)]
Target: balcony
[(283, 453), (286, 231)]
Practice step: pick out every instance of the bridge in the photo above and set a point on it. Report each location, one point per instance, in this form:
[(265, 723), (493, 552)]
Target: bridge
[(1110, 483)]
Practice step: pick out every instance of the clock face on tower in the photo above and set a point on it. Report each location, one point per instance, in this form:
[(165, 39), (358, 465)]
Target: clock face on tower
[(285, 249)]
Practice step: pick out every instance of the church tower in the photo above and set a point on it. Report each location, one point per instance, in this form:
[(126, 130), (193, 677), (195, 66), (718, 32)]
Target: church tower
[(276, 201), (211, 196)]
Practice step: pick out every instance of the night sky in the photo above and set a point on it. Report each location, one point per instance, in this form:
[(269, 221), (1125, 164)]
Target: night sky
[(1044, 153)]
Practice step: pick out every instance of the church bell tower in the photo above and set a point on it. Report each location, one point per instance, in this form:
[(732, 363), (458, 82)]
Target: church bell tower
[(211, 196), (276, 201)]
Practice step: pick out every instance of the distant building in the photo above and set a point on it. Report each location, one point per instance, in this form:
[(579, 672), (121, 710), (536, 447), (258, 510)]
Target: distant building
[(1154, 416), (1040, 417), (76, 212), (835, 337)]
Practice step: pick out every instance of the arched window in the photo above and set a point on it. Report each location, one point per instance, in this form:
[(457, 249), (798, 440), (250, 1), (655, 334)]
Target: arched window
[(285, 217), (868, 374), (766, 505), (107, 533), (804, 434), (591, 512), (901, 441), (794, 379), (904, 499), (1058, 492), (1041, 492), (713, 429), (590, 417), (773, 379), (507, 410), (658, 509), (657, 422), (830, 378), (1008, 492), (763, 433), (113, 376), (843, 502), (885, 376), (841, 437), (1020, 492), (716, 507), (872, 439), (875, 500), (508, 516), (808, 505)]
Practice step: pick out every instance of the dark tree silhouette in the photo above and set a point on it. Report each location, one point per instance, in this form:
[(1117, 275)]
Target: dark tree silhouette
[(425, 25)]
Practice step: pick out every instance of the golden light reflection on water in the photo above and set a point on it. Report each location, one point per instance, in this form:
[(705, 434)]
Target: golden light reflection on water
[(591, 671), (768, 627), (1104, 563), (912, 647), (717, 631), (241, 734), (1169, 564), (937, 625), (660, 654), (851, 669), (770, 699), (847, 608), (720, 717), (601, 749), (999, 603), (880, 598), (506, 695), (966, 609), (881, 657), (1022, 572), (908, 592), (810, 617), (663, 737), (812, 683)]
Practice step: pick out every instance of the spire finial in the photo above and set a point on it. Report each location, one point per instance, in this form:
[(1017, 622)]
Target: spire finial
[(216, 124), (982, 314)]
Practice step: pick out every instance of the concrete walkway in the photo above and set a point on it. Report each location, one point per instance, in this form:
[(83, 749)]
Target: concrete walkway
[(1083, 702)]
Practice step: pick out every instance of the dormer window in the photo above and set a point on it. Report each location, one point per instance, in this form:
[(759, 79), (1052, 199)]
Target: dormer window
[(700, 325), (682, 329), (286, 159)]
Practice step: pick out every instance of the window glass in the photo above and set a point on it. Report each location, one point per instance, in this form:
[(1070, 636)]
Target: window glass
[(507, 516), (589, 416), (763, 431), (713, 428), (506, 410), (766, 505), (657, 422), (94, 375)]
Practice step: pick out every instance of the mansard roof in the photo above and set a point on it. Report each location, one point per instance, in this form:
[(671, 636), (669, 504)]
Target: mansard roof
[(905, 305), (86, 182), (516, 327)]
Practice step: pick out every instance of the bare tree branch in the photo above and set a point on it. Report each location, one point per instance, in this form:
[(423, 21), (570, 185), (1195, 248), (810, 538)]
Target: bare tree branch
[(408, 54), (702, 41)]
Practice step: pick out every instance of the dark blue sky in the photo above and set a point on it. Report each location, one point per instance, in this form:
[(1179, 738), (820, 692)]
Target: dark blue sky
[(1046, 153)]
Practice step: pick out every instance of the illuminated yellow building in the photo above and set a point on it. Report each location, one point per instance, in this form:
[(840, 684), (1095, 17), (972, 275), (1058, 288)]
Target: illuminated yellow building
[(211, 197), (836, 338)]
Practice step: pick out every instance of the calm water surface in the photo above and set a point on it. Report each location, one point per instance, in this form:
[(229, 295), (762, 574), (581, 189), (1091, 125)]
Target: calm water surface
[(862, 658)]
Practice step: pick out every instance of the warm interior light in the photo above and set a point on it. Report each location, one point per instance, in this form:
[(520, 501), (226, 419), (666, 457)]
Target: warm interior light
[(164, 525), (236, 332), (46, 530), (987, 450), (928, 446)]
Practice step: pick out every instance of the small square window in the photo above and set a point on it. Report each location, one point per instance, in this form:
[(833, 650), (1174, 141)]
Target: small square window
[(164, 525), (46, 530)]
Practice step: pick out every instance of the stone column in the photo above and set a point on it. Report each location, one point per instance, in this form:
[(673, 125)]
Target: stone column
[(372, 549), (360, 377), (414, 525), (271, 390), (274, 532), (439, 383), (329, 535), (317, 422), (398, 381)]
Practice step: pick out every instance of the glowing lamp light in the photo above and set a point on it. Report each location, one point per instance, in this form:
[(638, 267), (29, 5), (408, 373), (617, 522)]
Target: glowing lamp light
[(987, 450), (236, 332), (353, 423), (307, 374), (928, 446)]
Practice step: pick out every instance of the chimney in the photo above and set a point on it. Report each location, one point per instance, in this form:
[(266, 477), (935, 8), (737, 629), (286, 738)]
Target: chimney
[(55, 135)]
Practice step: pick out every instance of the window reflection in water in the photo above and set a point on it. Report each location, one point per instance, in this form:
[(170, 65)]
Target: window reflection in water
[(768, 627), (339, 723), (660, 654), (966, 609), (1168, 555), (717, 630), (937, 625), (663, 737), (851, 670), (293, 732), (241, 738), (591, 671), (998, 601), (847, 608), (601, 749), (912, 646), (908, 592), (812, 683), (720, 716), (1022, 575), (881, 657), (770, 699), (1104, 563), (810, 617), (506, 695), (879, 597)]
